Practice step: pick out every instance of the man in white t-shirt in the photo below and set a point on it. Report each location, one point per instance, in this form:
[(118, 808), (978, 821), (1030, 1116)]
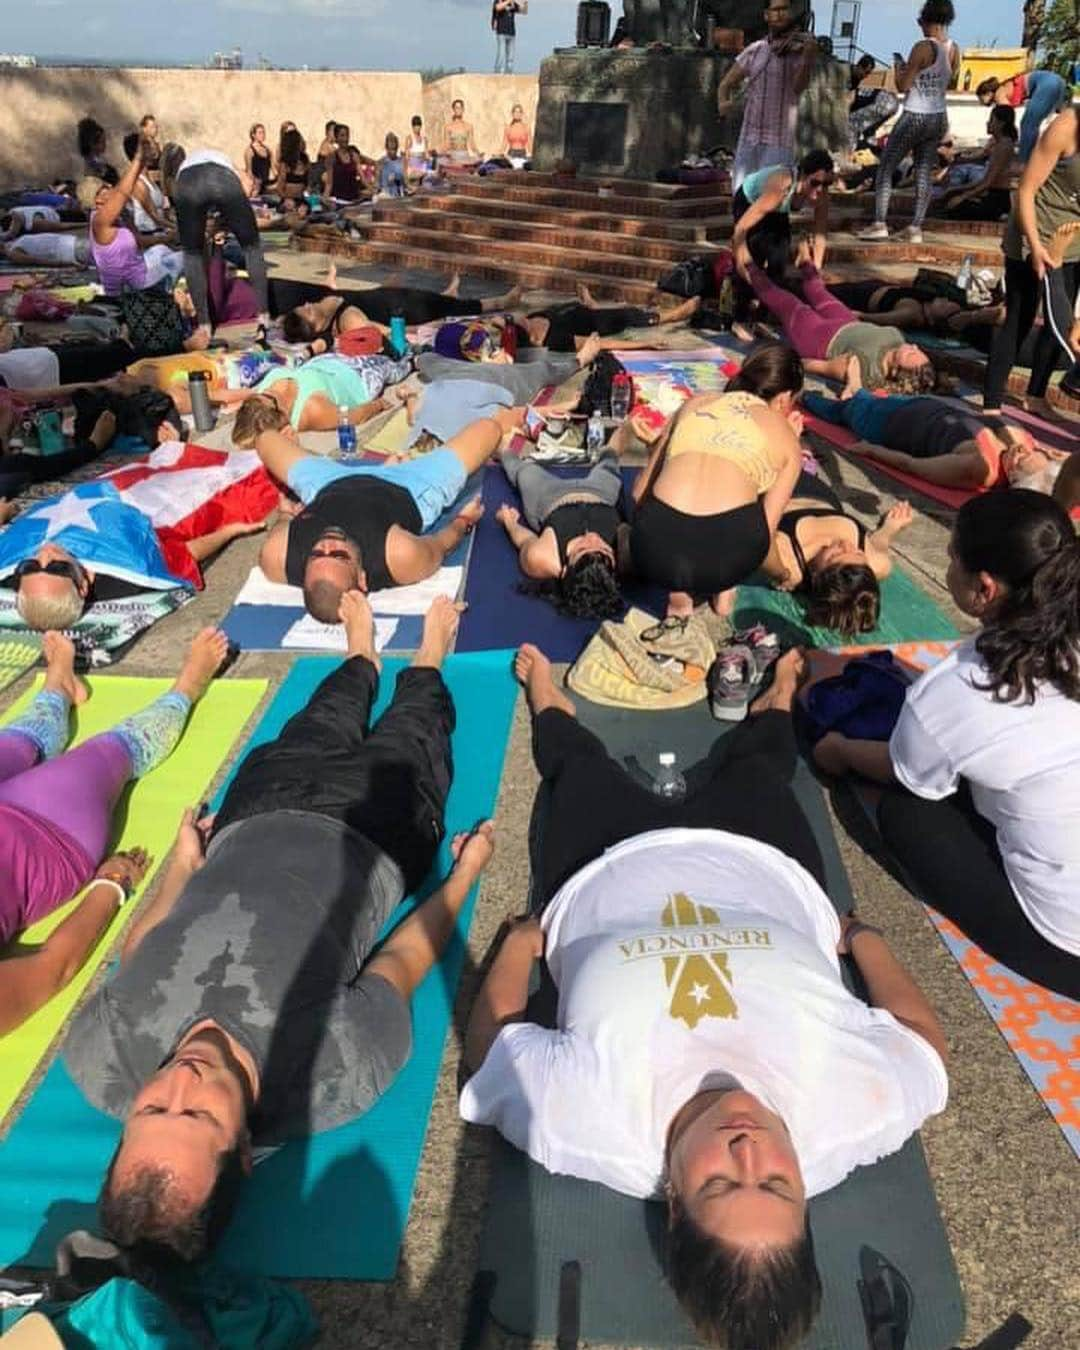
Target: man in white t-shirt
[(707, 1050)]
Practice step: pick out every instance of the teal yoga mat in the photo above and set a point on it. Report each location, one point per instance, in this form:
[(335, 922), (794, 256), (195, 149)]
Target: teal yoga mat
[(333, 1206)]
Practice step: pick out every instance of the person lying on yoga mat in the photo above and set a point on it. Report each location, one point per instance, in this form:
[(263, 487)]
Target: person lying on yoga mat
[(983, 767), (326, 312), (248, 1008), (310, 397), (826, 334), (569, 548), (56, 817), (363, 525), (47, 250), (695, 953), (946, 443), (711, 496), (565, 327), (916, 307), (522, 378)]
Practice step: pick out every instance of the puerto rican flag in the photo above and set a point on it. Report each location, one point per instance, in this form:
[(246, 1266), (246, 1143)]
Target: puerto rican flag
[(135, 522)]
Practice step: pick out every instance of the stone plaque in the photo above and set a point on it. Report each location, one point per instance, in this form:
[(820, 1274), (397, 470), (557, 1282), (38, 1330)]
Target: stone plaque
[(596, 135)]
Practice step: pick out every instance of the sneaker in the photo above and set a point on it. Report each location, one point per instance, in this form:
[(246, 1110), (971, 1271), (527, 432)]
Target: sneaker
[(764, 647), (875, 233), (911, 234), (730, 683)]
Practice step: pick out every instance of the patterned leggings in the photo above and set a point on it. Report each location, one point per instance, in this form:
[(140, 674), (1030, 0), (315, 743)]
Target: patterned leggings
[(918, 135), (868, 118)]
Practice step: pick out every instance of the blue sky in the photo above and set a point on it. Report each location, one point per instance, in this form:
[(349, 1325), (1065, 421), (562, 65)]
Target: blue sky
[(381, 34)]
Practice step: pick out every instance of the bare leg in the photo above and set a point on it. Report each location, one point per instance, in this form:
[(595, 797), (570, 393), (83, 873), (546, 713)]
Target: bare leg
[(680, 605), (503, 303), (680, 313), (788, 676), (723, 603), (440, 629)]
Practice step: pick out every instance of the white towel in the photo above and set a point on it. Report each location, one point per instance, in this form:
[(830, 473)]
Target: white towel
[(398, 601), (309, 634)]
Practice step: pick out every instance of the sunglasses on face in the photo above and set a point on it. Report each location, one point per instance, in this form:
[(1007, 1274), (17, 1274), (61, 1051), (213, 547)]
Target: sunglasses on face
[(57, 568)]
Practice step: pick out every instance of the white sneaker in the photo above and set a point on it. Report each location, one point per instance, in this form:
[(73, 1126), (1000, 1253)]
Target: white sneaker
[(911, 234), (877, 232)]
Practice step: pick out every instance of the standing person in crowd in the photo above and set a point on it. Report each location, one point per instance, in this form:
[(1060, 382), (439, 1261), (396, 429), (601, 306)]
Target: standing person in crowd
[(293, 166), (148, 130), (122, 257), (149, 212), (504, 26), (197, 184), (1047, 199), (258, 161), (775, 71), (870, 107), (984, 763), (1044, 92), (923, 79), (93, 147)]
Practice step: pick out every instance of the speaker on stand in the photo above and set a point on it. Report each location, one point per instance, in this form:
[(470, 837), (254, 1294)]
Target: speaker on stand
[(593, 23)]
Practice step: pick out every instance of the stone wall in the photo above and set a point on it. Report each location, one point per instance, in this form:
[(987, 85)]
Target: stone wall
[(40, 107)]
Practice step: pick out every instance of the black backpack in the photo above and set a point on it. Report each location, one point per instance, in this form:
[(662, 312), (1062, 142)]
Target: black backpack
[(596, 396)]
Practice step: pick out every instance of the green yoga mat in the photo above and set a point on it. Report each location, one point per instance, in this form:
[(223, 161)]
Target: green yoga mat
[(334, 1205), (16, 658), (149, 816), (539, 1224), (906, 614)]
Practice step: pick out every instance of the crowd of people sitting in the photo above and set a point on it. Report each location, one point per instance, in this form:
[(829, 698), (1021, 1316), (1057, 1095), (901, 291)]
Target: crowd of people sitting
[(725, 1119)]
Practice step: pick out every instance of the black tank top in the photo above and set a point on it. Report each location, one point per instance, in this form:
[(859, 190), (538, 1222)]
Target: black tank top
[(578, 518), (260, 169), (790, 526), (364, 508), (333, 329)]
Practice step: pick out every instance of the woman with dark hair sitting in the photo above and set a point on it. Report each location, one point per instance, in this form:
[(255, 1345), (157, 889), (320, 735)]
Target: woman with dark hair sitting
[(988, 198), (569, 549), (716, 485), (293, 166), (983, 811), (92, 147)]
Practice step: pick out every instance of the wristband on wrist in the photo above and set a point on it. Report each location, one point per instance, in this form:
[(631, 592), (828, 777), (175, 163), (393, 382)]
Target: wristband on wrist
[(122, 894), (859, 927)]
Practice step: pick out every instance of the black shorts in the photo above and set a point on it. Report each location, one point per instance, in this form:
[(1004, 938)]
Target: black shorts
[(700, 554)]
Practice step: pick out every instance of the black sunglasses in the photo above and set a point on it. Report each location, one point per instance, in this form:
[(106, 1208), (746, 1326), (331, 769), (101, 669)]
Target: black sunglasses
[(57, 568)]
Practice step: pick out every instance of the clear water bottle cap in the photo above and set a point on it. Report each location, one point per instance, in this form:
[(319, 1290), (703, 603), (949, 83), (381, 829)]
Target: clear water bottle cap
[(343, 409), (667, 759)]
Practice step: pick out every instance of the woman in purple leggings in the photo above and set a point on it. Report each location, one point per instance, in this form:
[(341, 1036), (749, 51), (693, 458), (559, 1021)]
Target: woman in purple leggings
[(834, 342), (56, 812)]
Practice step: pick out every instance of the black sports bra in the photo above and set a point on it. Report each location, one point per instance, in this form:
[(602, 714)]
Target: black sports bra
[(573, 519), (790, 526), (333, 327)]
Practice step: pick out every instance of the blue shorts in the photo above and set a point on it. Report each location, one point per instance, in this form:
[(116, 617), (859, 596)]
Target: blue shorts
[(434, 481)]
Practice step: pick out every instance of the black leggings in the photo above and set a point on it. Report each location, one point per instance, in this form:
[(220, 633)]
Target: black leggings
[(744, 786), (575, 320), (17, 472), (380, 304), (200, 190), (769, 243), (951, 856), (992, 205), (389, 783), (1021, 303)]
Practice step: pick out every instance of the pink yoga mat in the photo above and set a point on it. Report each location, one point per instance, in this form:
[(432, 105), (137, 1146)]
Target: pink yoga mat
[(843, 439)]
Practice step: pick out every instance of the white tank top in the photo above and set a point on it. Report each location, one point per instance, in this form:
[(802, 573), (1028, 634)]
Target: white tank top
[(927, 94)]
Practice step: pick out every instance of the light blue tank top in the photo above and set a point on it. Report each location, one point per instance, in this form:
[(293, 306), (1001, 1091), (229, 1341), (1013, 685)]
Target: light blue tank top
[(753, 185)]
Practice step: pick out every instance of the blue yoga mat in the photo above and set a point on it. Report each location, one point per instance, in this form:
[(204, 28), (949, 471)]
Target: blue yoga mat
[(499, 615), (333, 1206)]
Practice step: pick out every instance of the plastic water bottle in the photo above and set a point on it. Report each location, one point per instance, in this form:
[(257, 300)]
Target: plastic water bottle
[(346, 432), (398, 337), (963, 277), (669, 782), (594, 435), (620, 396)]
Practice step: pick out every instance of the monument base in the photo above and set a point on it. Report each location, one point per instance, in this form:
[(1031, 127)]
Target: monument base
[(629, 113)]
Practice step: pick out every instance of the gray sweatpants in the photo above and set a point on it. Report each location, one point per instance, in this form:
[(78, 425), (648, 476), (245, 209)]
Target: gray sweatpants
[(541, 490)]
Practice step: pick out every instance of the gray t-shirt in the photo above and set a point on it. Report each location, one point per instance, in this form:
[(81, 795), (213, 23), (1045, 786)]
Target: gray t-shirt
[(869, 343), (522, 381), (268, 940)]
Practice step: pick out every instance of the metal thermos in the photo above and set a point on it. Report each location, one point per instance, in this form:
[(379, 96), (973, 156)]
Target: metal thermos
[(201, 407)]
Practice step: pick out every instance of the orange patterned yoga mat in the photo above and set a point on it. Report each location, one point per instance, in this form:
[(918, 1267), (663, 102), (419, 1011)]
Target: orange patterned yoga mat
[(1041, 1028)]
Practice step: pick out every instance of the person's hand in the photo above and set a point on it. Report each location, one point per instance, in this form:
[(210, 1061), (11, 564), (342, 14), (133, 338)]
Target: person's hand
[(104, 430), (526, 932), (507, 514), (725, 107), (899, 517), (191, 840), (472, 850), (1041, 261), (127, 868), (331, 276), (829, 755), (743, 258), (788, 582), (847, 922)]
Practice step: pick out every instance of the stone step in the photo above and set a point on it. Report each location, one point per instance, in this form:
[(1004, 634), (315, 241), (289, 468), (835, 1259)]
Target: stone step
[(652, 227), (936, 251), (552, 253), (630, 187), (545, 235), (607, 201), (973, 371), (532, 276)]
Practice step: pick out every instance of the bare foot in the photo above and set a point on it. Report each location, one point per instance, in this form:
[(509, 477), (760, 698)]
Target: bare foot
[(355, 613), (742, 332), (8, 510), (585, 295), (198, 341), (59, 653), (804, 253), (471, 513), (511, 299), (532, 669), (205, 656), (1060, 241), (440, 629), (723, 604), (682, 312), (454, 288), (788, 674)]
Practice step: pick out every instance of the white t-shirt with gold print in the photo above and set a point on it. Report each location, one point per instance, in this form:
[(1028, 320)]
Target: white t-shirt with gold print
[(682, 955)]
